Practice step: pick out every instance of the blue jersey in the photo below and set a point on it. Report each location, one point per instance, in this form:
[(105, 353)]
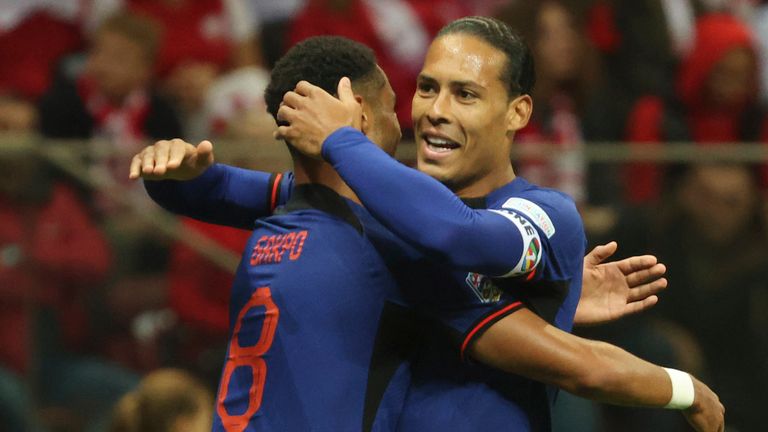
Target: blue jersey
[(316, 321), (451, 392), (523, 248)]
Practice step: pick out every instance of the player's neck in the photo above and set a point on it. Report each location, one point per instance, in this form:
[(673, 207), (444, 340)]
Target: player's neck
[(318, 172), (485, 185)]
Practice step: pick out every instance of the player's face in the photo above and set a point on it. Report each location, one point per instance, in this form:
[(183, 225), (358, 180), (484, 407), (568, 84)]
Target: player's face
[(382, 127), (463, 116)]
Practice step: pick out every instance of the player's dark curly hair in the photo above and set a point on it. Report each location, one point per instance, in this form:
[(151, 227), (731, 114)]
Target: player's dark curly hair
[(519, 74), (323, 61)]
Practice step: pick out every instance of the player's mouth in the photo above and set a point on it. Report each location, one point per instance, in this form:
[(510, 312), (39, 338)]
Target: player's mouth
[(438, 146)]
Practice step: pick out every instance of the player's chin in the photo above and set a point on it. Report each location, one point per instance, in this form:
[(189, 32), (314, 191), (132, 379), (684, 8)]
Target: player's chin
[(438, 170)]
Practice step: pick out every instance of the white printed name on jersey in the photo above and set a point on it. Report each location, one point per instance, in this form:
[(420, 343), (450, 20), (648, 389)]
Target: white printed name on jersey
[(533, 211), (531, 242)]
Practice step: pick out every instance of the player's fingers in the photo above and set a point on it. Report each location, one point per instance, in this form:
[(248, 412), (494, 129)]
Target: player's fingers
[(646, 275), (637, 263), (647, 290), (205, 153), (148, 160), (600, 253), (283, 132), (286, 113), (162, 150), (177, 151), (344, 90), (135, 170), (293, 99), (304, 88), (639, 306)]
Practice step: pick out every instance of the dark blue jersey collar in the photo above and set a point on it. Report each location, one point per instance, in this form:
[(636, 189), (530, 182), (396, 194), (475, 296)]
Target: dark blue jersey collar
[(322, 198), (512, 188)]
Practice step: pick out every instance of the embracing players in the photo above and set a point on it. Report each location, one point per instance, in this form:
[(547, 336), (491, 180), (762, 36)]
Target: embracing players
[(497, 284)]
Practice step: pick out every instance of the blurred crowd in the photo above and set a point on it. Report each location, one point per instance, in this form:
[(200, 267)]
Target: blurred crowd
[(93, 298)]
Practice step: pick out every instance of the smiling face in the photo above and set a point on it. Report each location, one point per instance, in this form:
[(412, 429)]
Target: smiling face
[(464, 118)]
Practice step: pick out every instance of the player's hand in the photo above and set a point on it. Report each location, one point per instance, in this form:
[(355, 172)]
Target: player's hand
[(706, 414), (616, 289), (312, 114), (173, 159)]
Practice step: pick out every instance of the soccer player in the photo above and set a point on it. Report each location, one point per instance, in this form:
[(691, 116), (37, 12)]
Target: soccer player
[(313, 304), (521, 251), (556, 357)]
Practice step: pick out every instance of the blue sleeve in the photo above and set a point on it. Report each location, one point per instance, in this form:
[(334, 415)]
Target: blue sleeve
[(224, 195), (422, 211)]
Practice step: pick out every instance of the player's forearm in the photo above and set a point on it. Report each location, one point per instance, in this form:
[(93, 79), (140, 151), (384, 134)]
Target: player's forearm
[(621, 378), (524, 344), (223, 195), (421, 210)]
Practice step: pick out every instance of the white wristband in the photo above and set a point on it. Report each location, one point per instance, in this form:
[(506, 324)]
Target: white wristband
[(682, 390)]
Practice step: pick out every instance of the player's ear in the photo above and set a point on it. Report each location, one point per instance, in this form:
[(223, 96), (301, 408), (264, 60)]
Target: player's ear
[(367, 115), (519, 112)]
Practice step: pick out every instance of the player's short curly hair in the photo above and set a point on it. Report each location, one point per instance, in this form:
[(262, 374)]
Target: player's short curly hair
[(519, 73), (323, 61)]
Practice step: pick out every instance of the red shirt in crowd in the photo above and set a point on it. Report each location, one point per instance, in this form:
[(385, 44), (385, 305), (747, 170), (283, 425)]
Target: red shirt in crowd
[(49, 254), (706, 124)]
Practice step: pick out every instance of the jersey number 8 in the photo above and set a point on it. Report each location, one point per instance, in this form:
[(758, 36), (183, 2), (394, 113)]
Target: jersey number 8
[(249, 356)]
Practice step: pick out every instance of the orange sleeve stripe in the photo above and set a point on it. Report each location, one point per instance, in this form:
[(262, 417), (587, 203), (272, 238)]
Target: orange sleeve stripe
[(275, 188), (490, 318)]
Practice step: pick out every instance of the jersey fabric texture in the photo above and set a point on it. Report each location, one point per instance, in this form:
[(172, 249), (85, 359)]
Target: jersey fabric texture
[(313, 313)]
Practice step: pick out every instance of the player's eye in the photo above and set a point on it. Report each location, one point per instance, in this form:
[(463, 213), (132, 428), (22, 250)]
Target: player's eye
[(466, 95), (426, 88)]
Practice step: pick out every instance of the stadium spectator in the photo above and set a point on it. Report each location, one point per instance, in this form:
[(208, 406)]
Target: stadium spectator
[(201, 40), (399, 31), (716, 101), (111, 97), (643, 41), (112, 102), (33, 36), (566, 67), (166, 400), (711, 232), (53, 259)]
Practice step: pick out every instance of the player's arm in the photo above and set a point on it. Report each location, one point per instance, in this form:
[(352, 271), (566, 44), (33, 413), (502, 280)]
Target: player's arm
[(413, 205), (524, 344), (427, 214), (184, 179)]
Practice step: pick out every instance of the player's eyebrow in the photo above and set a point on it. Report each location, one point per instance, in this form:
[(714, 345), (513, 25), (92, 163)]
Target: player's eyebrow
[(455, 83)]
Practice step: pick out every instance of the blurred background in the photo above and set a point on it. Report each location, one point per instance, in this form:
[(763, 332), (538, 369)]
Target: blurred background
[(651, 113)]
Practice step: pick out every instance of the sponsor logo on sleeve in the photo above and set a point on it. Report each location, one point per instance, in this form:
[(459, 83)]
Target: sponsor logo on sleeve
[(483, 287), (532, 256), (533, 211)]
